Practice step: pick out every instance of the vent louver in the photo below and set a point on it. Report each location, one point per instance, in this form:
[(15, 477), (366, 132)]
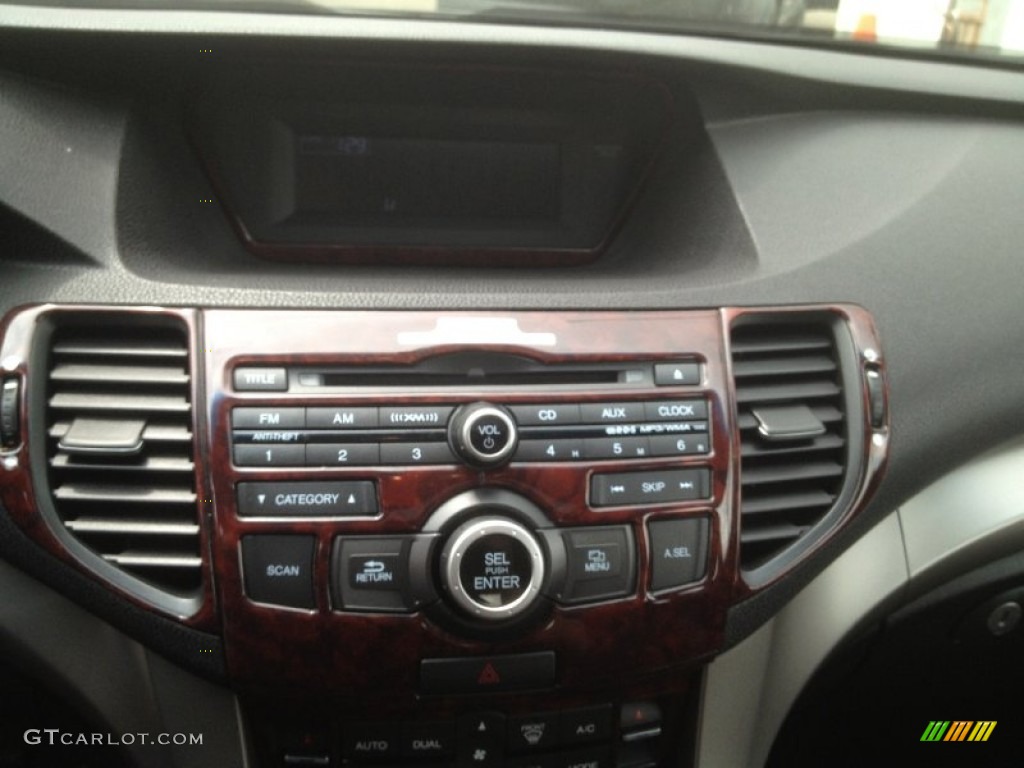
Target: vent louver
[(793, 433), (119, 421)]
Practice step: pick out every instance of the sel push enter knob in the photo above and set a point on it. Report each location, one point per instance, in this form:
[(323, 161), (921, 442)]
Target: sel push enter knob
[(492, 568), (483, 434)]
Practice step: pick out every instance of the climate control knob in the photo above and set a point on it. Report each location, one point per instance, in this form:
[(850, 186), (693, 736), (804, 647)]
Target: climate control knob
[(483, 434), (492, 568)]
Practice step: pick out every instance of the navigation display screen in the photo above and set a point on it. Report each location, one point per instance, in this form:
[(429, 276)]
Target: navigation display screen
[(412, 180)]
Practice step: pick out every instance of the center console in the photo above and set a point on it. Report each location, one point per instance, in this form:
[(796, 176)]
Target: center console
[(454, 539)]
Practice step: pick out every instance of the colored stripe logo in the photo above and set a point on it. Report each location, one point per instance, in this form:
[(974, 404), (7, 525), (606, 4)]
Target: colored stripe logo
[(958, 730)]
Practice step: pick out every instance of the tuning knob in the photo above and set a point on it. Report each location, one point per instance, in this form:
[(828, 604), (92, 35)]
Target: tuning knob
[(483, 434)]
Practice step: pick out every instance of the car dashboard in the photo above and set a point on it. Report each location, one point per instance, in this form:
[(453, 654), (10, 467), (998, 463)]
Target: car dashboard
[(410, 392)]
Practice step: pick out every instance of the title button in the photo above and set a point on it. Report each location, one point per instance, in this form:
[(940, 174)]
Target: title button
[(261, 379)]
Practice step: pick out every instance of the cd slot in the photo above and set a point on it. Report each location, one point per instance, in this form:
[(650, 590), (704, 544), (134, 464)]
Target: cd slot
[(478, 379)]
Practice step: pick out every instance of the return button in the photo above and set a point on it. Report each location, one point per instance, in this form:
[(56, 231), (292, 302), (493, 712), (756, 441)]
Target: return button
[(351, 498)]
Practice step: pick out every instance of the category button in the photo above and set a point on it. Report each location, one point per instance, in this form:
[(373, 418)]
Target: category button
[(268, 418), (354, 498)]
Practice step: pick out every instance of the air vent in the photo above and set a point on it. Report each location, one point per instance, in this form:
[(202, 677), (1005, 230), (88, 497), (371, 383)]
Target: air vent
[(119, 421), (792, 430)]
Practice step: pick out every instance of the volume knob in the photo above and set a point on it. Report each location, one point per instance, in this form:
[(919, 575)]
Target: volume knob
[(483, 434)]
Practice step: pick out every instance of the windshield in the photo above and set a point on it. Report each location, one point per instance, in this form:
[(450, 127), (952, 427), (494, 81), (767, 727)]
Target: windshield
[(986, 28)]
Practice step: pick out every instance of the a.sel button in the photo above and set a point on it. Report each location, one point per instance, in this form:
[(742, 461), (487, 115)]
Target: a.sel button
[(678, 551), (353, 498), (279, 570), (654, 487)]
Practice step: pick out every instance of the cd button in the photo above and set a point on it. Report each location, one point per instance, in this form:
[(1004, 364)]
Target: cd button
[(542, 415)]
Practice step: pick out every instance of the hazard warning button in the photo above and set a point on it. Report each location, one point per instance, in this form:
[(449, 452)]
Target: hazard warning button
[(486, 674)]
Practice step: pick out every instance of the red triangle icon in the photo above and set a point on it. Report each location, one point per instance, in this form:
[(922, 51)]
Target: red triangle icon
[(488, 675)]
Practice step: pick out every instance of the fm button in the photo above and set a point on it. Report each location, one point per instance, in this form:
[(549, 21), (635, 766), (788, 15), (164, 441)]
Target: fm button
[(483, 434)]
